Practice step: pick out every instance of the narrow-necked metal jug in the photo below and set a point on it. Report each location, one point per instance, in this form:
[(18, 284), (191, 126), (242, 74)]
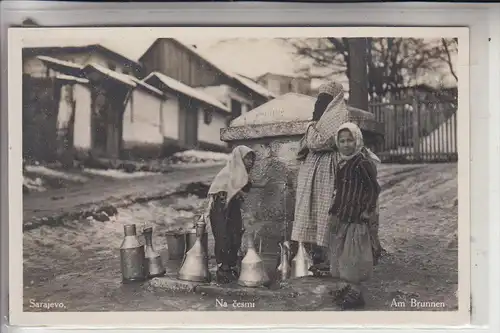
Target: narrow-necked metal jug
[(132, 256), (301, 263), (195, 265), (153, 259), (253, 272), (284, 268)]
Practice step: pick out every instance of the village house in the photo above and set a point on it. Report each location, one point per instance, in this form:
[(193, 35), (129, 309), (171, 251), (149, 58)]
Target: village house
[(184, 63), (75, 111), (92, 109), (199, 117), (281, 84)]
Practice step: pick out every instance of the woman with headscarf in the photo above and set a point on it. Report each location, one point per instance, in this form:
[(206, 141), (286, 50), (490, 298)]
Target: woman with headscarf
[(224, 210), (315, 181), (354, 205)]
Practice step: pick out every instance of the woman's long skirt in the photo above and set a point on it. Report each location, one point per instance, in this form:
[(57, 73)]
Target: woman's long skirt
[(314, 197)]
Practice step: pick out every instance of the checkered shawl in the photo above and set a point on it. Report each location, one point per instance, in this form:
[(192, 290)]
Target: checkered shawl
[(335, 115), (316, 178)]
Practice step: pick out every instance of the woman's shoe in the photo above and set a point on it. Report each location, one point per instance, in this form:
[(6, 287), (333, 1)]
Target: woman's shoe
[(352, 300)]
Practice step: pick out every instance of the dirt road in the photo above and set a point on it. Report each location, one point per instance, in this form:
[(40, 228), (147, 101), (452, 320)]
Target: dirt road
[(78, 264), (69, 200)]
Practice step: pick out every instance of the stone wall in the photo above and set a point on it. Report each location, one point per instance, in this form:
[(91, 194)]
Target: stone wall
[(269, 211)]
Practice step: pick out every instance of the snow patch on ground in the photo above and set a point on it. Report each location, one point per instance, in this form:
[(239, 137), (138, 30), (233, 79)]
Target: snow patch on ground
[(33, 184), (119, 173), (199, 157), (38, 178), (44, 171), (203, 155)]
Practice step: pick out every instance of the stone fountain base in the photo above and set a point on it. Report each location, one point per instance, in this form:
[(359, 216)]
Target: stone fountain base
[(292, 288)]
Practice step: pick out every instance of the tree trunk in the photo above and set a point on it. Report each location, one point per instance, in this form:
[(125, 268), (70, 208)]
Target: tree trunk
[(358, 76)]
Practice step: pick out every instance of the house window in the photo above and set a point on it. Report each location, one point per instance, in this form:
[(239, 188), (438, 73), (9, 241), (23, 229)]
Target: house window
[(235, 108), (207, 117), (126, 69), (111, 66)]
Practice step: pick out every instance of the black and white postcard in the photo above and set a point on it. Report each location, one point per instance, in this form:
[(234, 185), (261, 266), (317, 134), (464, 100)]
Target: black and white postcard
[(289, 176)]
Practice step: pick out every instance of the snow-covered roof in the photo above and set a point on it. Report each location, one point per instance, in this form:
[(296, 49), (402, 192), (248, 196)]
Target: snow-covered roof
[(126, 79), (145, 85), (218, 92), (283, 74), (123, 78), (56, 61), (51, 47), (255, 86), (186, 90), (246, 82), (71, 78), (62, 66)]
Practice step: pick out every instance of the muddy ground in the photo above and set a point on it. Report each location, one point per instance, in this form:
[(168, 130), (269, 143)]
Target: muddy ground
[(78, 264)]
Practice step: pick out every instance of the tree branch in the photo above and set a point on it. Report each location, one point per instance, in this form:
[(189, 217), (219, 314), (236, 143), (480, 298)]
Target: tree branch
[(448, 56)]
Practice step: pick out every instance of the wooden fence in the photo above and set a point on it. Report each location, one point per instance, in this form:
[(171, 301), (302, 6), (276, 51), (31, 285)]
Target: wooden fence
[(417, 130)]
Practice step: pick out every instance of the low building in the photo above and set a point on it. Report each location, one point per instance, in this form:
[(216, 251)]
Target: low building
[(200, 116)]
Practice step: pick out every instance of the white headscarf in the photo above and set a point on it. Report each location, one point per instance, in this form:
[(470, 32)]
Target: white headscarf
[(360, 146), (234, 176)]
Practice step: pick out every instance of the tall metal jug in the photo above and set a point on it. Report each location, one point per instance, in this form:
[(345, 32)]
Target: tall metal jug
[(195, 265), (153, 259), (301, 263), (253, 272), (284, 268), (132, 256)]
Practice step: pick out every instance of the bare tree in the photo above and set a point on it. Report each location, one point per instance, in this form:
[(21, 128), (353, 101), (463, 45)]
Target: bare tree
[(358, 75), (450, 46), (392, 63)]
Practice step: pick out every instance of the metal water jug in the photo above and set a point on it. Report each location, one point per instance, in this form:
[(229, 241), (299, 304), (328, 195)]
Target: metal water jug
[(195, 265), (191, 239), (284, 268), (153, 259), (132, 256), (253, 272), (301, 263)]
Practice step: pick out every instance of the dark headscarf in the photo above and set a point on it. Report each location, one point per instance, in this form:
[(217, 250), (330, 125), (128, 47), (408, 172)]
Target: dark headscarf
[(322, 102)]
